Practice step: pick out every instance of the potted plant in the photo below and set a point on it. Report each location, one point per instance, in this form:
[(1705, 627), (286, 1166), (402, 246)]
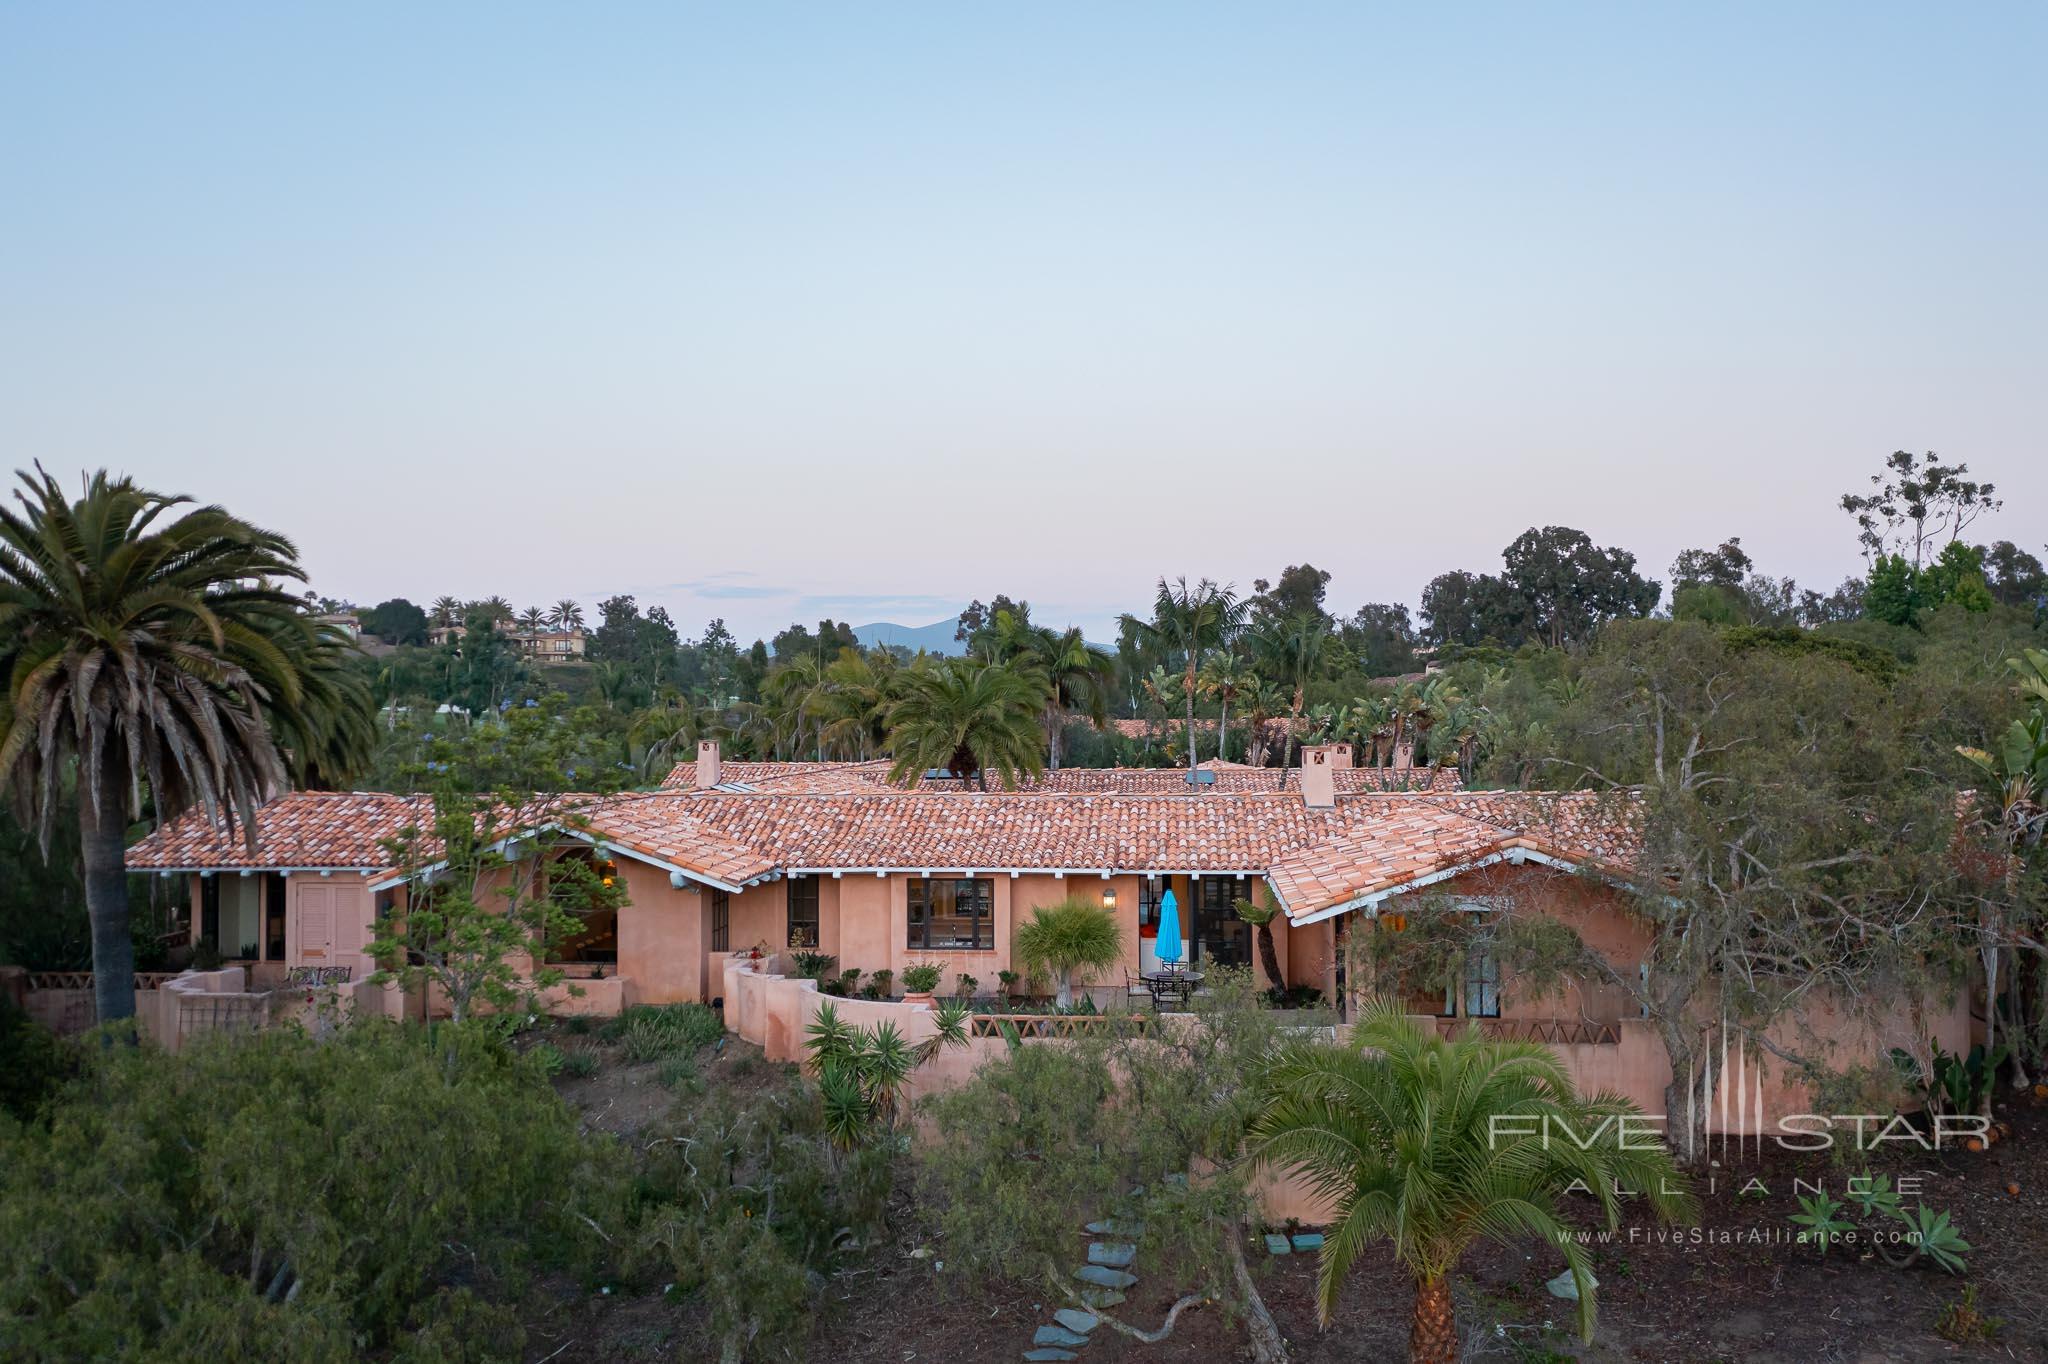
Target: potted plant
[(920, 979), (1008, 981), (879, 984)]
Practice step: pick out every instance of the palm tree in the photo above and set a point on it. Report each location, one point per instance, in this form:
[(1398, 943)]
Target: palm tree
[(666, 730), (1078, 677), (566, 615), (532, 620), (493, 610), (151, 658), (967, 718), (331, 734), (1431, 1143), (1261, 703), (1372, 726), (446, 611), (1074, 935), (1224, 678), (792, 692), (852, 708), (1260, 917), (1188, 622), (1293, 653)]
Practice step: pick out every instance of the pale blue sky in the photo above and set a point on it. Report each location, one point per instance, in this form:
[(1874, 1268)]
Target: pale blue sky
[(766, 311)]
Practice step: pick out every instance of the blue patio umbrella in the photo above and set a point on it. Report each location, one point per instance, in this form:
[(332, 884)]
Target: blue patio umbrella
[(1169, 948)]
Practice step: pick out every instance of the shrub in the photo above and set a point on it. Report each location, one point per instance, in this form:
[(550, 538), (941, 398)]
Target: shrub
[(811, 965), (581, 1064), (548, 1057), (965, 985), (651, 1032), (273, 1196), (679, 1072), (33, 1061), (752, 1233)]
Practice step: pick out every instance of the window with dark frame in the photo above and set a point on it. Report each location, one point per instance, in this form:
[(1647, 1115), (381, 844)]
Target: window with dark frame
[(803, 911), (273, 916), (952, 913), (209, 912), (721, 921), (1151, 889)]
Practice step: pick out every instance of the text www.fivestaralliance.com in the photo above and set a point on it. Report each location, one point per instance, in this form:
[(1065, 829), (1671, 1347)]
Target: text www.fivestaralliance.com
[(1722, 1236)]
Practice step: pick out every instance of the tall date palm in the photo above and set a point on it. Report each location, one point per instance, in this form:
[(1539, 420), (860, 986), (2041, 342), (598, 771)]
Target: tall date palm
[(152, 655)]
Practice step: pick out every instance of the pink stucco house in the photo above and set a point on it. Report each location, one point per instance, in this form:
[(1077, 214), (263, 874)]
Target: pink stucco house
[(729, 856)]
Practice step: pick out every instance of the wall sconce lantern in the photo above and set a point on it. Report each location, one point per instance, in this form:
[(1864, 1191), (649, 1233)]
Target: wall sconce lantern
[(1109, 897)]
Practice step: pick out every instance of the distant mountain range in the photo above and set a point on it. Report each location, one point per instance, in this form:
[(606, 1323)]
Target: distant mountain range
[(936, 638)]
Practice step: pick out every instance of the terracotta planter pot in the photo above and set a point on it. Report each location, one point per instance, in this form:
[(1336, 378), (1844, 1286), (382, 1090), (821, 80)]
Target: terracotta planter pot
[(920, 997)]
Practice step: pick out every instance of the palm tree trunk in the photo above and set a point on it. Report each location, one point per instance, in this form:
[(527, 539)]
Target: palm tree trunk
[(103, 851), (1223, 732), (1433, 1335), (1188, 691), (1268, 958)]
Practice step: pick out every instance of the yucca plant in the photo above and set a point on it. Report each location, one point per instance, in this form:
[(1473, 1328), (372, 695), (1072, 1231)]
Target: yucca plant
[(1431, 1143), (1074, 935), (861, 1072)]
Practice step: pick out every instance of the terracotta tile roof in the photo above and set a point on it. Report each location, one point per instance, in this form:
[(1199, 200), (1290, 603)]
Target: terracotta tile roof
[(1592, 827), (860, 778), (1398, 843), (667, 828), (683, 776), (299, 829), (1001, 830), (1314, 858)]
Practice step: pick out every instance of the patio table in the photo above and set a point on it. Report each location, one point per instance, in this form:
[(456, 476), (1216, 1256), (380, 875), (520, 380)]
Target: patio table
[(1171, 984)]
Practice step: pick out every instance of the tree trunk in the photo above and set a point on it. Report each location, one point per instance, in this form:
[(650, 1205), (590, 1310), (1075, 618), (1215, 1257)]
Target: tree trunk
[(1267, 1344), (1268, 958), (1063, 995), (1433, 1336), (102, 836), (1223, 732), (1194, 758)]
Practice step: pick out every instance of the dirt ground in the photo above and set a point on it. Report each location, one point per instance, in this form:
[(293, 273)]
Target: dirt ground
[(1723, 1299)]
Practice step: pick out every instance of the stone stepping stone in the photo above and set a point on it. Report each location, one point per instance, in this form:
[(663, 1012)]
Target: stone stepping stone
[(1115, 1256), (1308, 1240), (1104, 1278), (1277, 1244), (1101, 1297), (1566, 1287), (1049, 1356), (1074, 1319), (1116, 1226), (1058, 1335)]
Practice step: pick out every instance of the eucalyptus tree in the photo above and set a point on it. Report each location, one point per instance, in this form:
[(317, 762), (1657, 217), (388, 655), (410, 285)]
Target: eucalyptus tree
[(155, 660)]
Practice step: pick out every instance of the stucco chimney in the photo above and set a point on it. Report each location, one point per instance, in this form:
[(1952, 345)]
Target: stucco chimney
[(1318, 786), (1340, 754), (707, 764), (1404, 756)]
